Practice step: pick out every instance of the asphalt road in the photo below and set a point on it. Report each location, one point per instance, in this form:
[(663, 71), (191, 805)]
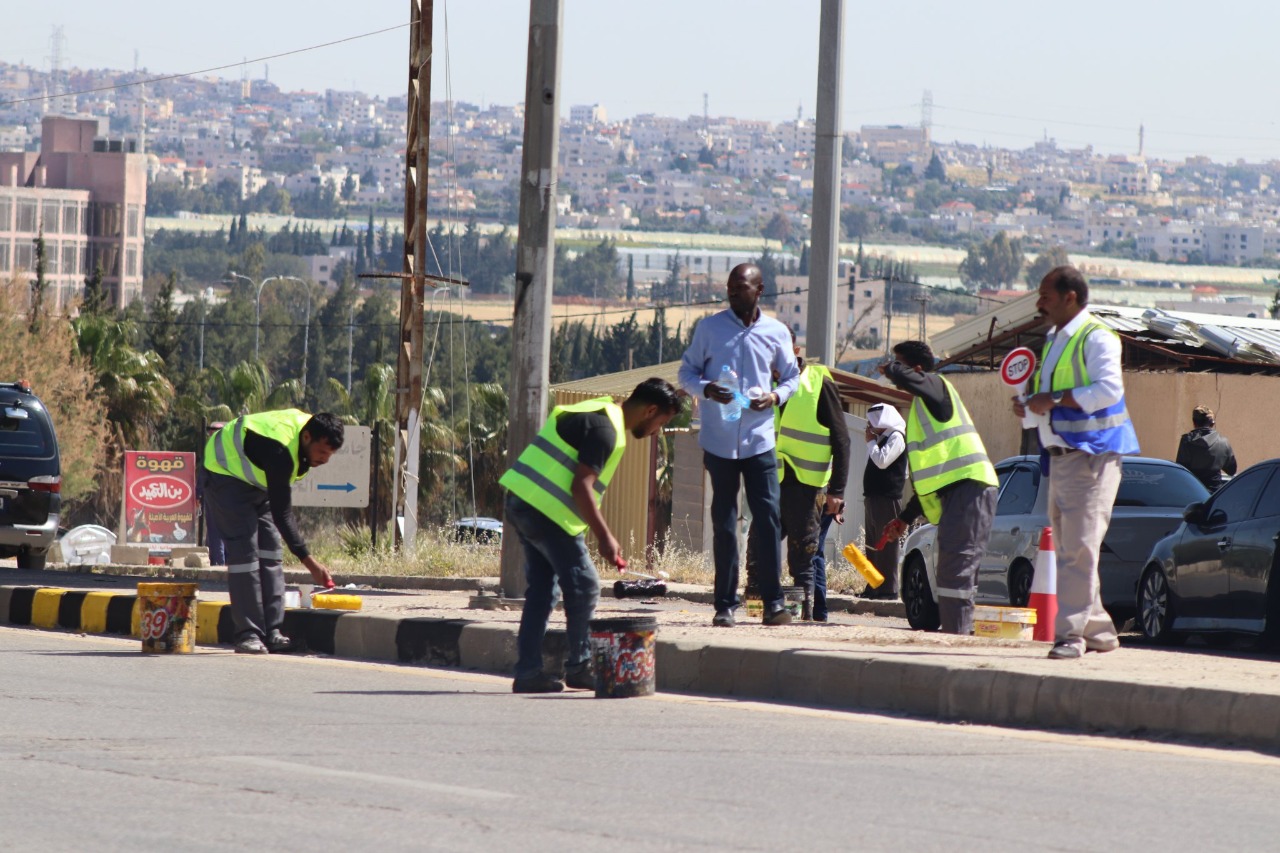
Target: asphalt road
[(102, 748)]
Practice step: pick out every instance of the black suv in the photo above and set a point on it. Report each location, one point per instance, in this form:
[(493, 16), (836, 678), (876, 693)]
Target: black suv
[(30, 477)]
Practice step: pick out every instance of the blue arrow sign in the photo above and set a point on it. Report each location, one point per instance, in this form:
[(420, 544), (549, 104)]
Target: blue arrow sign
[(345, 487)]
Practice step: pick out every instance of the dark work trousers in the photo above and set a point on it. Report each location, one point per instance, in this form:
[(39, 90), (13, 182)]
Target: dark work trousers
[(551, 557), (759, 476), (968, 509), (255, 576), (799, 513), (820, 569), (878, 511)]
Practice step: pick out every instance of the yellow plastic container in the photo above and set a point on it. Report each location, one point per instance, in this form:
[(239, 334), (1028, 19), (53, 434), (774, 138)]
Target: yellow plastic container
[(167, 617), (331, 601), (1003, 623)]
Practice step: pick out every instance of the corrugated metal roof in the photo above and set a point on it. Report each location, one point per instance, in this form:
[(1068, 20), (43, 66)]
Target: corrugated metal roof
[(853, 388), (1188, 334)]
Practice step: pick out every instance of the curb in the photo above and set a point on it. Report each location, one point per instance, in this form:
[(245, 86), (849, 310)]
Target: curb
[(291, 576), (843, 680)]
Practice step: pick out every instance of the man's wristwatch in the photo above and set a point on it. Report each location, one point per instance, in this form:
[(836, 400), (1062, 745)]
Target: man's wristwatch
[(1057, 396)]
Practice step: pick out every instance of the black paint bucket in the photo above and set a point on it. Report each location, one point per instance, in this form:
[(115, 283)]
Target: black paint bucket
[(622, 651)]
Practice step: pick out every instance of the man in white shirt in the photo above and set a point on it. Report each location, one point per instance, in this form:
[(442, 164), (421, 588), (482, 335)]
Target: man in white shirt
[(882, 484), (1079, 412)]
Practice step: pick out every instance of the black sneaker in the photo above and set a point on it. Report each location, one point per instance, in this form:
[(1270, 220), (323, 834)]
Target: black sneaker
[(723, 619), (580, 679), (781, 616), (540, 683)]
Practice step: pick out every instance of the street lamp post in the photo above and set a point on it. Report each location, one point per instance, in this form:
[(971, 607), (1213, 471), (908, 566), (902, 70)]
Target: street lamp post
[(306, 334), (257, 310)]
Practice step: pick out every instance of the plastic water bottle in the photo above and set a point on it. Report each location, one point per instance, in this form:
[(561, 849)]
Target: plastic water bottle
[(728, 380)]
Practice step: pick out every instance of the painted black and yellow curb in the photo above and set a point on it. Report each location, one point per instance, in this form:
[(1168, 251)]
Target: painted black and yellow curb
[(365, 636)]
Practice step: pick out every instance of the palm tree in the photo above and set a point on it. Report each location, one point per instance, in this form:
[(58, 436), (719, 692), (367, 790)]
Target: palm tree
[(248, 388), (484, 433), (136, 393)]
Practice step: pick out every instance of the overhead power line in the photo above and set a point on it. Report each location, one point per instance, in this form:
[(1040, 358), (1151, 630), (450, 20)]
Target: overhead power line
[(165, 77)]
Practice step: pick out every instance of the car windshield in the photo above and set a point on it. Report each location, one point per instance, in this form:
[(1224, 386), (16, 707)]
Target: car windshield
[(1158, 485), (25, 438)]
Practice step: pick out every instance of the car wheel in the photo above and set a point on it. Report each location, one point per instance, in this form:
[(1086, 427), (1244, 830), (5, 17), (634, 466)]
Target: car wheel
[(1156, 608), (922, 610), (28, 559), (1020, 576)]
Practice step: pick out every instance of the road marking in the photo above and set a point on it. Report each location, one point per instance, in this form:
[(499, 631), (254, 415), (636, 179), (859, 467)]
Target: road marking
[(356, 776), (503, 683)]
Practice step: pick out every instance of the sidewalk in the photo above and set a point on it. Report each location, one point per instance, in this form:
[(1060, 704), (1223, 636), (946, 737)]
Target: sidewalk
[(867, 660)]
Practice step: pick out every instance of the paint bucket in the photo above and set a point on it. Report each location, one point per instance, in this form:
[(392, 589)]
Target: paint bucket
[(752, 602), (167, 617), (794, 596), (622, 652)]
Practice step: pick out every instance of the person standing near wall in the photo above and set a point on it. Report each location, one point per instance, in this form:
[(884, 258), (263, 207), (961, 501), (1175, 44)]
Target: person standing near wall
[(1205, 452)]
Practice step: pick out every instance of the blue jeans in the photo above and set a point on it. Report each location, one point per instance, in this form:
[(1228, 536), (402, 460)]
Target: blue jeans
[(759, 476), (820, 569), (552, 555)]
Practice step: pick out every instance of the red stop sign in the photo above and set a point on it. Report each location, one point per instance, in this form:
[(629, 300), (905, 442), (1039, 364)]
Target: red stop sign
[(1017, 366)]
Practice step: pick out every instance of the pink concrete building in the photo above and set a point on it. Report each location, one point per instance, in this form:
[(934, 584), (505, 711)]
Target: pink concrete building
[(87, 196)]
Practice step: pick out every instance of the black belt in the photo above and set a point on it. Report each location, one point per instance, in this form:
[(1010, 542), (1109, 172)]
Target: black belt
[(1060, 451)]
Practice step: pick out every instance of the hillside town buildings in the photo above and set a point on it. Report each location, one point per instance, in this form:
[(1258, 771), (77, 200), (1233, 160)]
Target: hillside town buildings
[(248, 138)]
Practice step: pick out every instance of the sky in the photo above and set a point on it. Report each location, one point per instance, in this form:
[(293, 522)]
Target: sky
[(1001, 73)]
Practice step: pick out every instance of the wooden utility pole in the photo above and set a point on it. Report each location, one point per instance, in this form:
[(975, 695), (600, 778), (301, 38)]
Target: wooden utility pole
[(824, 257), (416, 252), (535, 253)]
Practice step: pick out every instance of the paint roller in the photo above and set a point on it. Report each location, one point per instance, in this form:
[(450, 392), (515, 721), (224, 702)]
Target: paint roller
[(863, 565)]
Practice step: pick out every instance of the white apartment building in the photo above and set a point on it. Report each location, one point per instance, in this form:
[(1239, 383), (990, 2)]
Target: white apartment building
[(1172, 240), (1236, 243), (588, 114)]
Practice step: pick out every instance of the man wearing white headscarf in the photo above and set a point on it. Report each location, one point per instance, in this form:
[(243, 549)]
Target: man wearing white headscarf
[(882, 483)]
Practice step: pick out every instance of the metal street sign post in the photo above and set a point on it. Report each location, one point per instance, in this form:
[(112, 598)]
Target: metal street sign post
[(344, 480)]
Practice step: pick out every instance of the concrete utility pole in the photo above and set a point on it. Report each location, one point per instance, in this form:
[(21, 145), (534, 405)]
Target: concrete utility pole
[(824, 256), (416, 252), (535, 253)]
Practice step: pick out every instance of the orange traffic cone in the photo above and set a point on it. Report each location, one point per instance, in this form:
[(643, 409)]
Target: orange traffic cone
[(1044, 588)]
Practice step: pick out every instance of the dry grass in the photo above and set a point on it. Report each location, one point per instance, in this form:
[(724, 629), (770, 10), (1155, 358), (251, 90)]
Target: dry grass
[(347, 550)]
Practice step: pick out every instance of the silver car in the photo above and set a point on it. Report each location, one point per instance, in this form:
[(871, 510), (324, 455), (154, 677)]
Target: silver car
[(1149, 504)]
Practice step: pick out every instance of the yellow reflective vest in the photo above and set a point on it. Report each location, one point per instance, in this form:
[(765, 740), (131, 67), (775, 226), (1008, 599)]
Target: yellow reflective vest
[(543, 475), (224, 451), (803, 443), (944, 453)]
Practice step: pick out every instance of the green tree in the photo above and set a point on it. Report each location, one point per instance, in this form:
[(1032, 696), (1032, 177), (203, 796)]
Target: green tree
[(778, 228), (162, 326), (936, 170), (995, 263), (1055, 256), (38, 284), (631, 278), (95, 297)]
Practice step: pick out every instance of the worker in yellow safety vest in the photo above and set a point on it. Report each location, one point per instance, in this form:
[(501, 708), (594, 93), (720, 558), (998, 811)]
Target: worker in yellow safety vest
[(813, 468), (250, 466), (954, 483), (554, 493)]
